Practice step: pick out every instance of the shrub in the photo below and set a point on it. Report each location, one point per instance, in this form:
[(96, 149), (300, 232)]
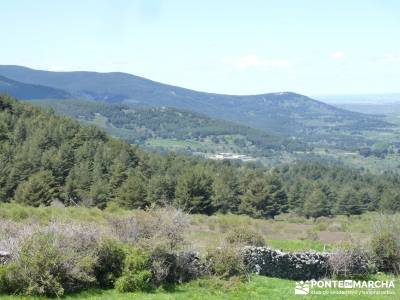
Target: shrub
[(335, 227), (157, 228), (311, 235), (38, 269), (43, 268), (134, 281), (351, 262), (226, 262), (13, 234), (136, 275), (162, 266), (170, 268), (188, 267), (50, 260), (110, 262), (385, 244), (386, 249), (245, 236)]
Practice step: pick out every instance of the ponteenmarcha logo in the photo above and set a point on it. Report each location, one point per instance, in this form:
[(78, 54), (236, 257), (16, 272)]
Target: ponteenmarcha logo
[(302, 288), (349, 287)]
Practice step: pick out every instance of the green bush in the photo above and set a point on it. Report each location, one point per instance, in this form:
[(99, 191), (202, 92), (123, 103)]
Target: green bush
[(45, 268), (110, 263), (170, 268), (386, 248), (38, 270), (163, 267), (226, 262), (136, 275), (134, 281), (385, 243), (245, 236), (352, 262)]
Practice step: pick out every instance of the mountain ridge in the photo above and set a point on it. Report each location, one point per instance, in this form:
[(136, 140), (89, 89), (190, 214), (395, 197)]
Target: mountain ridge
[(15, 72), (5, 69), (286, 113), (30, 91)]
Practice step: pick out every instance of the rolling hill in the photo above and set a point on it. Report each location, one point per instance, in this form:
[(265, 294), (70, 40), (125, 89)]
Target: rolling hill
[(165, 128), (275, 127), (30, 91), (283, 113)]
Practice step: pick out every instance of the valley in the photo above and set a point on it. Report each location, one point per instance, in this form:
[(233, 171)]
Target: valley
[(272, 129), (199, 150), (77, 178), (185, 132)]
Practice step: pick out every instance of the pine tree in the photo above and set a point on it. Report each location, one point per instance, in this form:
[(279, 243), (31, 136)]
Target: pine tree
[(390, 202), (369, 199), (118, 174), (39, 189), (194, 191), (78, 182), (256, 201), (277, 193), (132, 193), (62, 163), (316, 204), (226, 192), (348, 203), (296, 197), (99, 193), (160, 190)]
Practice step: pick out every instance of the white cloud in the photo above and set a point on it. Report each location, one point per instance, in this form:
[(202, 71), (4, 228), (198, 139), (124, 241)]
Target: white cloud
[(338, 55), (253, 60), (392, 58)]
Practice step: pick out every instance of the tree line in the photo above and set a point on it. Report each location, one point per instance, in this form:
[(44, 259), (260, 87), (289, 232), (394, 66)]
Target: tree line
[(46, 158), (138, 124)]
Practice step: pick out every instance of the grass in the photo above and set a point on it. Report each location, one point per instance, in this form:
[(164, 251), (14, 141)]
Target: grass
[(287, 232), (298, 245), (258, 287)]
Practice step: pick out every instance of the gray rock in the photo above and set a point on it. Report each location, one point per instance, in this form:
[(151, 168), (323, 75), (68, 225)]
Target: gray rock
[(296, 265), (4, 257)]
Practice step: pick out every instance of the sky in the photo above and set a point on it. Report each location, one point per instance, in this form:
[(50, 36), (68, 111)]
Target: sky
[(313, 47)]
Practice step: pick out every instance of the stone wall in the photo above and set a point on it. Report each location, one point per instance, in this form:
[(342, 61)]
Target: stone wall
[(268, 262), (295, 265), (4, 257)]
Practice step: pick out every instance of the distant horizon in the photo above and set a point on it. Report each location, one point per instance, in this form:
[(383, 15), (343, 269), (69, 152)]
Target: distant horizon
[(327, 98)]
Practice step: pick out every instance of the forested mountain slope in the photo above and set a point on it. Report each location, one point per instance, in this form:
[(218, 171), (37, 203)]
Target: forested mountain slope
[(30, 91), (144, 125), (286, 113), (46, 158)]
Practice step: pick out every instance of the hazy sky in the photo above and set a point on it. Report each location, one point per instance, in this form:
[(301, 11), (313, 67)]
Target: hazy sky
[(237, 47)]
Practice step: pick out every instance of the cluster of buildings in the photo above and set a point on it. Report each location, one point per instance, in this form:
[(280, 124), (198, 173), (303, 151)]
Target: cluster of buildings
[(231, 156)]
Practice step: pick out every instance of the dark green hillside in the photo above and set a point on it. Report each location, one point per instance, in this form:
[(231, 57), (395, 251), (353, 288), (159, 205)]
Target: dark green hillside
[(45, 157), (284, 113), (30, 91), (141, 124)]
